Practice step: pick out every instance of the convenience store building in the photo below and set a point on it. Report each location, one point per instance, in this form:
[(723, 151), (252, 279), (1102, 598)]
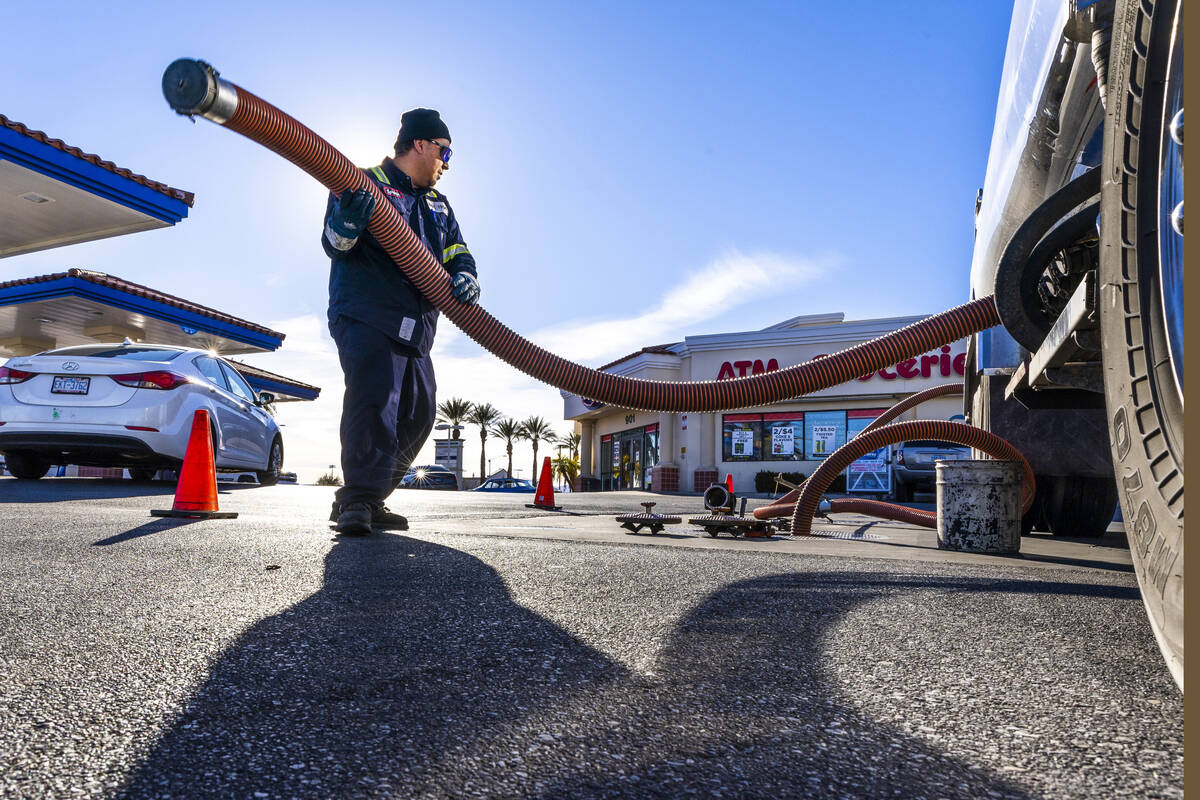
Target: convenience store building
[(627, 449)]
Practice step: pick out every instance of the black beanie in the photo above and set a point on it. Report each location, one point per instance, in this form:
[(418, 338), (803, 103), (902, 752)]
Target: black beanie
[(421, 123)]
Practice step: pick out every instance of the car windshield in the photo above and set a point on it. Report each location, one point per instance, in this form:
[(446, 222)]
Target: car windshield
[(136, 352)]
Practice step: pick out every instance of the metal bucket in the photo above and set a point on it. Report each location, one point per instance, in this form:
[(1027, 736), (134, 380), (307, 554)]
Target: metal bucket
[(979, 506)]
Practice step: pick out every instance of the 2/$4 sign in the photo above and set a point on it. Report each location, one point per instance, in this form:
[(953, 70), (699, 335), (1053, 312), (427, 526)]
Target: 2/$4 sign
[(941, 362)]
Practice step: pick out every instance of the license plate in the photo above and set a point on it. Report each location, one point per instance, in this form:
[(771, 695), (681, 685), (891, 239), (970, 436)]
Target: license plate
[(70, 384)]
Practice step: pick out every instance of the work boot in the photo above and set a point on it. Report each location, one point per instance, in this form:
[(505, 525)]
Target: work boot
[(388, 520), (381, 517), (354, 519)]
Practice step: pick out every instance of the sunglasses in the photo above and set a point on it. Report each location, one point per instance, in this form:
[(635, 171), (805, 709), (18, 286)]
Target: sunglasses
[(444, 150)]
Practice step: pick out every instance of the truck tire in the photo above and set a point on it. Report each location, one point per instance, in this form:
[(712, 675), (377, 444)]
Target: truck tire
[(1141, 302), (1077, 506)]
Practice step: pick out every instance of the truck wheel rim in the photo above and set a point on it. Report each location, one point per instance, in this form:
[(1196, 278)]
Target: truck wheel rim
[(1170, 211)]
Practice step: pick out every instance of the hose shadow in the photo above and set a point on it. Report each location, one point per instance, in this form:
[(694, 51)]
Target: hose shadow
[(408, 648), (742, 703)]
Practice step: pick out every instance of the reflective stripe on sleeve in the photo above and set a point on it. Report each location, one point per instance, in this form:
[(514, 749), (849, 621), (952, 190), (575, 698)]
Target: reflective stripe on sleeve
[(452, 251), (380, 175)]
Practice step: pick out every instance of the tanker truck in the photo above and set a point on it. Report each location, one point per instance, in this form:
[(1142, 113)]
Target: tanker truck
[(1079, 236)]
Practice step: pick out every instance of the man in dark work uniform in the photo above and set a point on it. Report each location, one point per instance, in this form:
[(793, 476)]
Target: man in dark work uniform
[(383, 327)]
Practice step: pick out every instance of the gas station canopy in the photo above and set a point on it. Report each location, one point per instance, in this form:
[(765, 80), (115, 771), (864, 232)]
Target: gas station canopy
[(52, 194), (81, 306)]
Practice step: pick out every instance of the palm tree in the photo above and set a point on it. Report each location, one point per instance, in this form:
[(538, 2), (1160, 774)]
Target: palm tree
[(571, 440), (535, 429), (508, 429), (565, 469), (485, 415), (453, 411)]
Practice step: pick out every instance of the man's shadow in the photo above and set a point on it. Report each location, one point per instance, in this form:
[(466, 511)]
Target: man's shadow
[(408, 649), (413, 672)]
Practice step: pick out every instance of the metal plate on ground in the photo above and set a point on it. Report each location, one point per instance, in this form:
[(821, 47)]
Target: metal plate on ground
[(826, 533), (634, 523)]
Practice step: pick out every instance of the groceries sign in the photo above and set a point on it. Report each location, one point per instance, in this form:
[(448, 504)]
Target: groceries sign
[(941, 362)]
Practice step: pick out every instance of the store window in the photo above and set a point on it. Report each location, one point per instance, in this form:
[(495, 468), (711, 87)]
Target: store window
[(652, 456), (824, 432), (871, 473), (742, 437), (606, 462), (783, 436)]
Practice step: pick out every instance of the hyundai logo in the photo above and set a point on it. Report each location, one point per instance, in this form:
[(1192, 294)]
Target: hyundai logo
[(70, 365)]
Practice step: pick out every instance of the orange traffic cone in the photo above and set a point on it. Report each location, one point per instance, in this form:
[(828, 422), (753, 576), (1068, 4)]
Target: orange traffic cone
[(544, 499), (729, 481), (196, 493)]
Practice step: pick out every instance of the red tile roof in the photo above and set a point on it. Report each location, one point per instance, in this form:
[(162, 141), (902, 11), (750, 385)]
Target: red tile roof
[(656, 348), (58, 144), (113, 282)]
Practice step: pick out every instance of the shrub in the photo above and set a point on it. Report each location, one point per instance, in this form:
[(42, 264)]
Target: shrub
[(329, 479)]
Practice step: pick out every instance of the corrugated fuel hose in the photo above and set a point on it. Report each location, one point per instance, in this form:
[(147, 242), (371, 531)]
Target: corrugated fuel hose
[(194, 88)]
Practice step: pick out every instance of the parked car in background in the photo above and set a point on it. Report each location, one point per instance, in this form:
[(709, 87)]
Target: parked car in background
[(513, 485), (914, 466), (430, 476), (131, 405)]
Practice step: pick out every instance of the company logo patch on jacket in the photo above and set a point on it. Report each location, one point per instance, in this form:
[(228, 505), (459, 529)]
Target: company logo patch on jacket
[(390, 192), (437, 206)]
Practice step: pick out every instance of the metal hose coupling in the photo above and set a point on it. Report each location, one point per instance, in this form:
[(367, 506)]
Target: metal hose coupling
[(194, 87)]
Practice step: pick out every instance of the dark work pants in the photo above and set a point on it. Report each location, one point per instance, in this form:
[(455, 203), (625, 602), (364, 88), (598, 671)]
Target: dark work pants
[(387, 412)]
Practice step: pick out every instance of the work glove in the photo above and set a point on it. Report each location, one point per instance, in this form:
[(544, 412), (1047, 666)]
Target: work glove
[(349, 218), (465, 288)]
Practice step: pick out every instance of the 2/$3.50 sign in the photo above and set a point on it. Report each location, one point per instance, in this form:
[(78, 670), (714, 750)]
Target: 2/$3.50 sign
[(941, 363)]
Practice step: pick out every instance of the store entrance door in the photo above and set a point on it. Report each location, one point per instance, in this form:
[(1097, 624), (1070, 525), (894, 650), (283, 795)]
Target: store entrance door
[(631, 459)]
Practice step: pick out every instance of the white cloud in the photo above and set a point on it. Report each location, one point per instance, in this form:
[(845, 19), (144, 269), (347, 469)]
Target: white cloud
[(466, 370), (730, 281)]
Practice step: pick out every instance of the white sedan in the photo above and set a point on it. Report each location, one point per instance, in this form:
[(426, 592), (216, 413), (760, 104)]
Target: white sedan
[(131, 405)]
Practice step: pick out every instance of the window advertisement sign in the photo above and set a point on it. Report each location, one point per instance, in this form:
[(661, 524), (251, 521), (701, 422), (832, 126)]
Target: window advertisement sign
[(742, 436), (783, 434), (824, 432), (872, 473), (783, 440)]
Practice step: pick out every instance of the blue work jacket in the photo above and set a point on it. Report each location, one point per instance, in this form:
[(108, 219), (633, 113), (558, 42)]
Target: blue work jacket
[(365, 285)]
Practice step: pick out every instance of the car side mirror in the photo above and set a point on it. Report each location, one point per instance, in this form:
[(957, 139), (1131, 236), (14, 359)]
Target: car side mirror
[(266, 398)]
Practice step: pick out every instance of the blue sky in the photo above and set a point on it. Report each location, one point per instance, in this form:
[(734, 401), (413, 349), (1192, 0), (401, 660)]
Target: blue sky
[(640, 172)]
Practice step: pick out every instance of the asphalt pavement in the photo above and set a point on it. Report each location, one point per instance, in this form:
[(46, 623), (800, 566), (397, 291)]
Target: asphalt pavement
[(499, 651)]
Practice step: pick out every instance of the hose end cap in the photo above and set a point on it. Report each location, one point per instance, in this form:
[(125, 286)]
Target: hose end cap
[(190, 86)]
